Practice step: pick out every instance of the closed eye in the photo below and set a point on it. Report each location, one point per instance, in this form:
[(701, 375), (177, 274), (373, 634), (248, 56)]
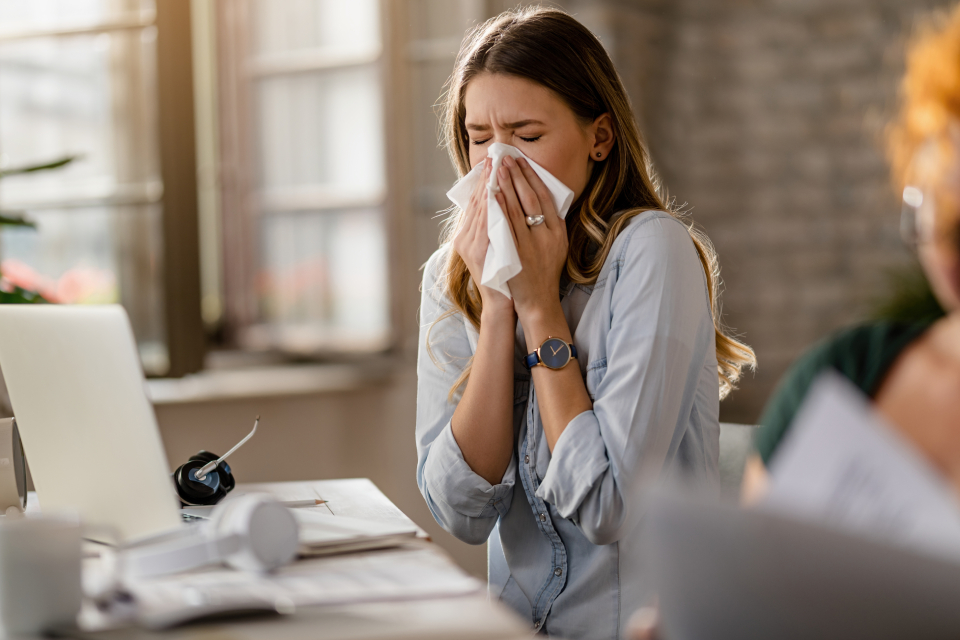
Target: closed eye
[(533, 139), (480, 142)]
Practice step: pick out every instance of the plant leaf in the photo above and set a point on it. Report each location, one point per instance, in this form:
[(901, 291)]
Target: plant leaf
[(31, 168), (16, 219), (21, 296)]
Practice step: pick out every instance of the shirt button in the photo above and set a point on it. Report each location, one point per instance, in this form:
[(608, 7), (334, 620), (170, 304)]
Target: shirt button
[(537, 624), (526, 459), (557, 571), (543, 517)]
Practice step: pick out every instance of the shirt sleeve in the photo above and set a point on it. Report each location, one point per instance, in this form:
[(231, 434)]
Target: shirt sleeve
[(461, 501), (658, 346)]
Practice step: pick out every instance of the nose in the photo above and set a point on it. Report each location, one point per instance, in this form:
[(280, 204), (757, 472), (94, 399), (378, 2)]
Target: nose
[(502, 135)]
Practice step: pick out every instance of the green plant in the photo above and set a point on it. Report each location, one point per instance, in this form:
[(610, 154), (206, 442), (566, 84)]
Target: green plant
[(9, 292)]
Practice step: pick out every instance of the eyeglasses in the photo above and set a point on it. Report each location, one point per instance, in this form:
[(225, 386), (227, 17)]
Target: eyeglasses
[(910, 214), (918, 220)]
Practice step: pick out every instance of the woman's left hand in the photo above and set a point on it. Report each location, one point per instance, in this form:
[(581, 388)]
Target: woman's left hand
[(542, 248)]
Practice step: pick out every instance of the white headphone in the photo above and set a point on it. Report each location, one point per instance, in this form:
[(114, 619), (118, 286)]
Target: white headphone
[(251, 532)]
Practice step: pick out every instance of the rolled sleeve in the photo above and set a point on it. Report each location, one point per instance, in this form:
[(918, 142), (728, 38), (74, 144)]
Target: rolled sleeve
[(579, 459), (451, 480), (461, 501)]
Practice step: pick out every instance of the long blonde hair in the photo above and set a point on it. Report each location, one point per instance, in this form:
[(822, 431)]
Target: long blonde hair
[(549, 47)]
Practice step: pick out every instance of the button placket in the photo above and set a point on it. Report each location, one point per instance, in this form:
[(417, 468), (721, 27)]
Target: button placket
[(554, 584)]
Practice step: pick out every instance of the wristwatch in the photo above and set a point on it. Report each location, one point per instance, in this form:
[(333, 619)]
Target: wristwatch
[(553, 353)]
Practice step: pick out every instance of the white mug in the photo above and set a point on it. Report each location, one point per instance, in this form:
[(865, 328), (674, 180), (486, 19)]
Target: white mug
[(40, 561)]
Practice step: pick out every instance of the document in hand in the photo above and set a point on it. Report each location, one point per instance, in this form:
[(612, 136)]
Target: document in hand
[(858, 538), (841, 464)]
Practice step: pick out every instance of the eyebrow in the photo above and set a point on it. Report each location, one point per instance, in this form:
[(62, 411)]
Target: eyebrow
[(509, 125)]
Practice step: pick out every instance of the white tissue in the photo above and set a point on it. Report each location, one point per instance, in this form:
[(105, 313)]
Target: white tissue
[(502, 261)]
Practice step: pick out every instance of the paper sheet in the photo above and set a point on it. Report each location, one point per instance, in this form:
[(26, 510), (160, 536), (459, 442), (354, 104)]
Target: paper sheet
[(399, 574), (842, 465)]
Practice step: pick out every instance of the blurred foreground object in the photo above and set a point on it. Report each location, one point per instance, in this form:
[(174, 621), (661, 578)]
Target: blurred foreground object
[(731, 574), (857, 536)]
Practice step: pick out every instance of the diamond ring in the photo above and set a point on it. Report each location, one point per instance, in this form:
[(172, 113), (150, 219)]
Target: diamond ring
[(533, 221)]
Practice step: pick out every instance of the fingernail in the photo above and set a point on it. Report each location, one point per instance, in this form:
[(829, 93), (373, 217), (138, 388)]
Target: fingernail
[(502, 172), (508, 161)]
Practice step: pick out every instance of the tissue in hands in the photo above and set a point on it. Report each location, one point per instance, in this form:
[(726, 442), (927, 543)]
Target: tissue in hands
[(502, 261)]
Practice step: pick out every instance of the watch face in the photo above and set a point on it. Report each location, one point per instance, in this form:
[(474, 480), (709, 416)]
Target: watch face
[(554, 353)]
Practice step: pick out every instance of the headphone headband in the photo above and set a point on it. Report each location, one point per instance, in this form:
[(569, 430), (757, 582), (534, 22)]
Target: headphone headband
[(252, 532)]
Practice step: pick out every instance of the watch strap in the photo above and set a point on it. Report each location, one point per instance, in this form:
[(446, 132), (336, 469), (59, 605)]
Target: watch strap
[(531, 360)]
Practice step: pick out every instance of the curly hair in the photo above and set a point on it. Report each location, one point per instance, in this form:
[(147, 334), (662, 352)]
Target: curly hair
[(924, 139)]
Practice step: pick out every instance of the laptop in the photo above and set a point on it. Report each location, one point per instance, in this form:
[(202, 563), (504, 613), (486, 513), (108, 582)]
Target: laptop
[(88, 430)]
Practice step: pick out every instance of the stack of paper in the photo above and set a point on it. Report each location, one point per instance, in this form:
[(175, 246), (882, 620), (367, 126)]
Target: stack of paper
[(322, 533)]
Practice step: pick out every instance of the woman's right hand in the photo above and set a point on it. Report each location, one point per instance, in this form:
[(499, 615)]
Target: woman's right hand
[(471, 243)]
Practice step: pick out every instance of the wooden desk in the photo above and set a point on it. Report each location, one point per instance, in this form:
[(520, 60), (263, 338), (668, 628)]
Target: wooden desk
[(470, 617)]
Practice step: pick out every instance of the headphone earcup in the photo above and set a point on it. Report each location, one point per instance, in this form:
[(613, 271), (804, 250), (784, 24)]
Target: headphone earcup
[(227, 481), (193, 492), (268, 530), (203, 456)]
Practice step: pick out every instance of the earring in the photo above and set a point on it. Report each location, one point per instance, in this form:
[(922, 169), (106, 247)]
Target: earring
[(599, 154)]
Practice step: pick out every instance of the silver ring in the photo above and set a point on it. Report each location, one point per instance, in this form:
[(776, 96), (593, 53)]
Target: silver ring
[(533, 221)]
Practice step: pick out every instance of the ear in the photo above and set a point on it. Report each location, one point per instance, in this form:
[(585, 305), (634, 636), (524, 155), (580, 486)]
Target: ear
[(601, 131)]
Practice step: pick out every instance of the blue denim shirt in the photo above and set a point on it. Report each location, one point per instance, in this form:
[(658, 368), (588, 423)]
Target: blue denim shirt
[(563, 528)]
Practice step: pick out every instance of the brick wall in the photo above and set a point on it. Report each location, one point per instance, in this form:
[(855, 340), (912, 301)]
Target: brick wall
[(767, 117)]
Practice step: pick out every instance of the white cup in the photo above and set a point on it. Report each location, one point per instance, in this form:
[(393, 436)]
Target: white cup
[(40, 564)]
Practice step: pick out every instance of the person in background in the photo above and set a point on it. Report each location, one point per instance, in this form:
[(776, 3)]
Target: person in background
[(544, 454), (911, 371)]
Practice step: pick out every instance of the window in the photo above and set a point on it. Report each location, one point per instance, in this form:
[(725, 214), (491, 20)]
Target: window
[(276, 159), (78, 79), (305, 247)]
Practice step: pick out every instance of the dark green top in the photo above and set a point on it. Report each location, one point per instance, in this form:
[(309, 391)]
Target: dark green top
[(863, 354)]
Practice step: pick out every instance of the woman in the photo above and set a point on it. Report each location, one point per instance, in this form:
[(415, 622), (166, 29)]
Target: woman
[(911, 371), (546, 462)]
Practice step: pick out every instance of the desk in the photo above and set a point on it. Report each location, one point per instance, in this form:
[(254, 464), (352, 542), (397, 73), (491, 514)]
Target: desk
[(470, 617)]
